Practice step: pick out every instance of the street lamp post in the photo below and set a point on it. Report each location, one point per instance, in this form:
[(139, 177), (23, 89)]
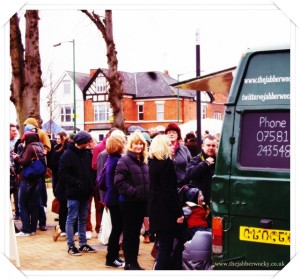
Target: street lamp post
[(198, 93), (74, 81), (178, 75)]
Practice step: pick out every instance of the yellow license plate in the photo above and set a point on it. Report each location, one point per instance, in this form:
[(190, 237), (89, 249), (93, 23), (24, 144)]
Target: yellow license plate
[(262, 235)]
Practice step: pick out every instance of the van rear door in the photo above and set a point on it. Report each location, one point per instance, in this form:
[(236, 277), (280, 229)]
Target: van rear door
[(252, 193)]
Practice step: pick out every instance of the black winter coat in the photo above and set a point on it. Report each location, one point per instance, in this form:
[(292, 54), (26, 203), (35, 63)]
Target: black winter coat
[(164, 207), (76, 173), (199, 174), (132, 178)]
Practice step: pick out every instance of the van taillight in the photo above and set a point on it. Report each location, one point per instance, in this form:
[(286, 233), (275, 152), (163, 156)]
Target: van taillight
[(217, 235)]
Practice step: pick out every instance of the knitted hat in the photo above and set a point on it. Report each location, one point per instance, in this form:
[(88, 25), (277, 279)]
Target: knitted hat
[(174, 126), (29, 127), (82, 137), (29, 137), (192, 195)]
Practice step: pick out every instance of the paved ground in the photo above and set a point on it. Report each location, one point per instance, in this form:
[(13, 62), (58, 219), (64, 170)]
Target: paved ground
[(40, 252)]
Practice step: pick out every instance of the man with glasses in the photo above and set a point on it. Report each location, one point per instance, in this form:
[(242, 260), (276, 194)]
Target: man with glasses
[(201, 168)]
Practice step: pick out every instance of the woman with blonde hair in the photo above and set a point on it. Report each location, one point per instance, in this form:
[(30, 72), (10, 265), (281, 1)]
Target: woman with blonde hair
[(132, 181), (115, 147), (165, 212)]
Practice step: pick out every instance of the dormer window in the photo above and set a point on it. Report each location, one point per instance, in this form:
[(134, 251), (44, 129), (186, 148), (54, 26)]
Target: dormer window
[(101, 86), (67, 87)]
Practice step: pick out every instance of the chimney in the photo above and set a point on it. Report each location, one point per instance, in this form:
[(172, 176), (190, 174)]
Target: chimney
[(92, 72)]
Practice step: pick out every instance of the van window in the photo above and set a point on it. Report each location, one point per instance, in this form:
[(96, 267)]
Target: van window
[(265, 140), (267, 80)]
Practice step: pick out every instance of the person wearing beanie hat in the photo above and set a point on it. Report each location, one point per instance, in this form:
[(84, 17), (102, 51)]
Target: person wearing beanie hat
[(30, 127), (82, 137), (192, 195), (76, 173), (198, 212), (173, 126), (181, 154)]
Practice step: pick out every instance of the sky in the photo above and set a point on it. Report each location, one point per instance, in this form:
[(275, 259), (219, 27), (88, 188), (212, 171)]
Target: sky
[(157, 38), (160, 39), (153, 37)]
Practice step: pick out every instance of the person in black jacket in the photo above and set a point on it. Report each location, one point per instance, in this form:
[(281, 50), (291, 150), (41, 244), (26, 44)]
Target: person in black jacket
[(62, 140), (165, 212), (77, 175), (132, 181), (201, 168)]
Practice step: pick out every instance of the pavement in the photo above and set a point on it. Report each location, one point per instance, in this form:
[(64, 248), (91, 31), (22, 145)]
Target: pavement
[(40, 252)]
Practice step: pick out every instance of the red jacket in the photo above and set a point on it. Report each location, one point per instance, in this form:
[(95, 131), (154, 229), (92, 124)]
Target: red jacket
[(197, 218), (96, 151)]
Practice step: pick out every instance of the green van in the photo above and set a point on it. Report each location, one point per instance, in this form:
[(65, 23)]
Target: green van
[(250, 201), (250, 197)]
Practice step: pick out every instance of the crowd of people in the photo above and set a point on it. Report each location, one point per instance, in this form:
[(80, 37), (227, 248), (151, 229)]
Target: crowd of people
[(159, 182)]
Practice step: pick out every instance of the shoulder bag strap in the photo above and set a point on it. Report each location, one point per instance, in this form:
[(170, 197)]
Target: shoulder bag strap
[(36, 156)]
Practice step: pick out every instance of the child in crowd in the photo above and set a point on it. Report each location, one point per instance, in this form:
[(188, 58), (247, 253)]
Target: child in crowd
[(196, 212)]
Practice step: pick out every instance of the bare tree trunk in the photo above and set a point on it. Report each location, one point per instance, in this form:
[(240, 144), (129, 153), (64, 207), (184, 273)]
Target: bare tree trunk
[(116, 89), (26, 71)]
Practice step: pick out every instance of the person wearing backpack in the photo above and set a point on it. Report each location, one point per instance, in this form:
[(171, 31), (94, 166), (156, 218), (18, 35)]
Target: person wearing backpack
[(28, 187)]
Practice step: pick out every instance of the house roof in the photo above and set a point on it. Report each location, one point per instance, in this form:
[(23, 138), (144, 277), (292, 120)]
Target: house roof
[(153, 84), (81, 79), (157, 84)]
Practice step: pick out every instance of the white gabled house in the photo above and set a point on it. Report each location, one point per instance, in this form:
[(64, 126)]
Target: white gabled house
[(61, 107)]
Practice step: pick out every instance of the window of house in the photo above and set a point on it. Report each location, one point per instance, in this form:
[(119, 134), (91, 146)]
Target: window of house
[(140, 112), (217, 115), (101, 85), (204, 109), (67, 87), (66, 114), (101, 112), (160, 111)]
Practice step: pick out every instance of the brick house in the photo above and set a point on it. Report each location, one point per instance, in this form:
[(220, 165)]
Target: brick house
[(148, 101)]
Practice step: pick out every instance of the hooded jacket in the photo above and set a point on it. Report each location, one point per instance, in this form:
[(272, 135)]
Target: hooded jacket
[(75, 173), (42, 134), (33, 149)]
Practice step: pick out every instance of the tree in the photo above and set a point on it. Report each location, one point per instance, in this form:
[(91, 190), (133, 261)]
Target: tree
[(115, 93), (26, 67), (52, 104)]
